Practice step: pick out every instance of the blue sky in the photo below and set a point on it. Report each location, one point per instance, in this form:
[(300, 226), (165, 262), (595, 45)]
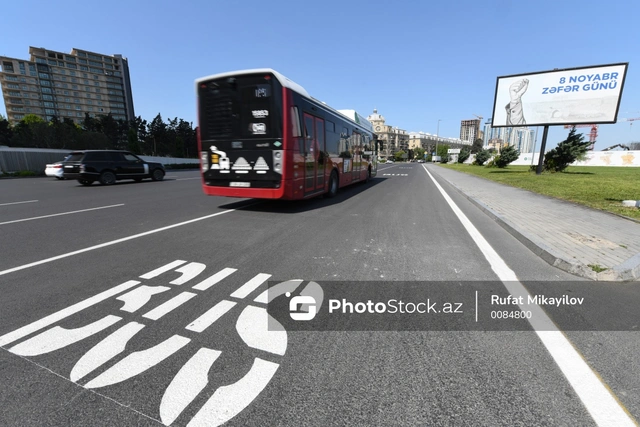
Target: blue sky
[(415, 61)]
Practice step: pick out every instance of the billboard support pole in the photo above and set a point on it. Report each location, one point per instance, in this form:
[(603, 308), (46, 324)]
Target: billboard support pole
[(542, 147)]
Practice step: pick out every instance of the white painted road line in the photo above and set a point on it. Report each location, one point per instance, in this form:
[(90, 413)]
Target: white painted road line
[(169, 306), (17, 203), (64, 313), (250, 286), (158, 271), (104, 351), (228, 401), (601, 404), (192, 378), (59, 337), (210, 316), (138, 362), (113, 242), (207, 283), (62, 213)]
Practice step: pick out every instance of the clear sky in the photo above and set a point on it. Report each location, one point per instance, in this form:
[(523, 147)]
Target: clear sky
[(415, 61)]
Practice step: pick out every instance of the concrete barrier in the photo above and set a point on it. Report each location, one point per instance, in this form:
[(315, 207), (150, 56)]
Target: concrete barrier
[(16, 159)]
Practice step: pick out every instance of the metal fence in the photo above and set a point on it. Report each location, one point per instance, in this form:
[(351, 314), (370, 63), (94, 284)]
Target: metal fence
[(35, 159)]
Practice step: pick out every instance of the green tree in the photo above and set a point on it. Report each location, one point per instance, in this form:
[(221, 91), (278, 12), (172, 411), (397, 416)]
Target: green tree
[(6, 132), (464, 155), (132, 141), (507, 155), (477, 145), (418, 153), (398, 155), (482, 157), (443, 152), (568, 151)]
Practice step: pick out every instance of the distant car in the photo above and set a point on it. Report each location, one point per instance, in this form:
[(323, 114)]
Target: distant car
[(109, 166), (55, 170), (389, 161), (420, 161)]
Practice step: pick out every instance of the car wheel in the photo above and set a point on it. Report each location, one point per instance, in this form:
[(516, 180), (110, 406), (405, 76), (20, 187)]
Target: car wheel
[(107, 178), (157, 175), (85, 181), (59, 178), (333, 184)]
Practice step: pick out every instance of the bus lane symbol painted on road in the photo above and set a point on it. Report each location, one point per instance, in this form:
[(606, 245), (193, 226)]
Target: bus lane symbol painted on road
[(192, 378)]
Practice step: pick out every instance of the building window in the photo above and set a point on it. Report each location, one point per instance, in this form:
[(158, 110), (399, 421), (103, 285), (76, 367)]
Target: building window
[(72, 66), (70, 58), (83, 68), (12, 86), (11, 78), (72, 73)]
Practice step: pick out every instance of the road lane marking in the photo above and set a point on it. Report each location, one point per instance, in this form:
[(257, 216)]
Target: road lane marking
[(104, 351), (138, 362), (192, 378), (254, 326), (229, 400), (62, 213), (169, 306), (207, 283), (113, 242), (250, 286), (601, 404), (64, 313), (210, 316), (17, 203)]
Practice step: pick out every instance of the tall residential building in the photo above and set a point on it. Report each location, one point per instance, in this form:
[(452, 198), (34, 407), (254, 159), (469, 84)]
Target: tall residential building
[(522, 138), (469, 130), (66, 85)]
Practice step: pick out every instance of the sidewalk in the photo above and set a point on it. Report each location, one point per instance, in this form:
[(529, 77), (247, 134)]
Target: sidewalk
[(566, 235)]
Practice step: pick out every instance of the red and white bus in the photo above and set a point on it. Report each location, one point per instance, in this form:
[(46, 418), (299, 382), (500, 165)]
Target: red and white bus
[(260, 135)]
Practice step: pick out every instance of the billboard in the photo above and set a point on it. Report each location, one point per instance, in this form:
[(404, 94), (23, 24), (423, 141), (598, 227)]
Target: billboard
[(570, 96)]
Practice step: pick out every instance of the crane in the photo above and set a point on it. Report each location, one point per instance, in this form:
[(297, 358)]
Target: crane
[(629, 120)]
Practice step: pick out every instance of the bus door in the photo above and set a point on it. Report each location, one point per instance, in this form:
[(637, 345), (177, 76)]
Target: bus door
[(315, 158), (357, 157)]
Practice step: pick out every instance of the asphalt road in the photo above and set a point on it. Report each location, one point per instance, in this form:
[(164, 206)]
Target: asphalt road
[(135, 304)]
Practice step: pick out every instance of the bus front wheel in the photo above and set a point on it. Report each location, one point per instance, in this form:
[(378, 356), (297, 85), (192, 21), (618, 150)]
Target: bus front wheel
[(333, 184)]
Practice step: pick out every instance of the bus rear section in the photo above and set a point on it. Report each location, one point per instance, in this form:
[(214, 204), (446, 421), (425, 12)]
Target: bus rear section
[(240, 137)]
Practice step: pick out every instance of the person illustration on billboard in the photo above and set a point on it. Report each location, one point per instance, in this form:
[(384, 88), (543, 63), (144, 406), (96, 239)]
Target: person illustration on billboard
[(515, 114)]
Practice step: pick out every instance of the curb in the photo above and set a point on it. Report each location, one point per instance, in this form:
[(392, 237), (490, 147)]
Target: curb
[(627, 271)]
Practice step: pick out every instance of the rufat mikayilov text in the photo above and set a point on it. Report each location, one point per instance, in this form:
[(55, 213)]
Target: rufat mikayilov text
[(536, 299), (394, 306)]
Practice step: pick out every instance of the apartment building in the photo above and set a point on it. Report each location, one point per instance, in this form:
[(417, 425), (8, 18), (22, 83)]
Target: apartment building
[(66, 85)]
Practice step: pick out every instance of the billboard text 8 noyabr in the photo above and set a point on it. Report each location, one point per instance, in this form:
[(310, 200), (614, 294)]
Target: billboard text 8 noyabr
[(587, 95)]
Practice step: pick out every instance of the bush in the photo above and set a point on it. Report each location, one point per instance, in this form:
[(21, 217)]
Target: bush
[(482, 157), (507, 155), (464, 155), (568, 151)]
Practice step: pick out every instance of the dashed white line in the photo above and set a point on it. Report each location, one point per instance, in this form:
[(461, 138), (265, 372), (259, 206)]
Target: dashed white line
[(17, 203), (59, 214), (597, 399), (113, 242)]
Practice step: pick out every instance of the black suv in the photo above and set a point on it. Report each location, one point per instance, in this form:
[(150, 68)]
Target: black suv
[(108, 166)]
